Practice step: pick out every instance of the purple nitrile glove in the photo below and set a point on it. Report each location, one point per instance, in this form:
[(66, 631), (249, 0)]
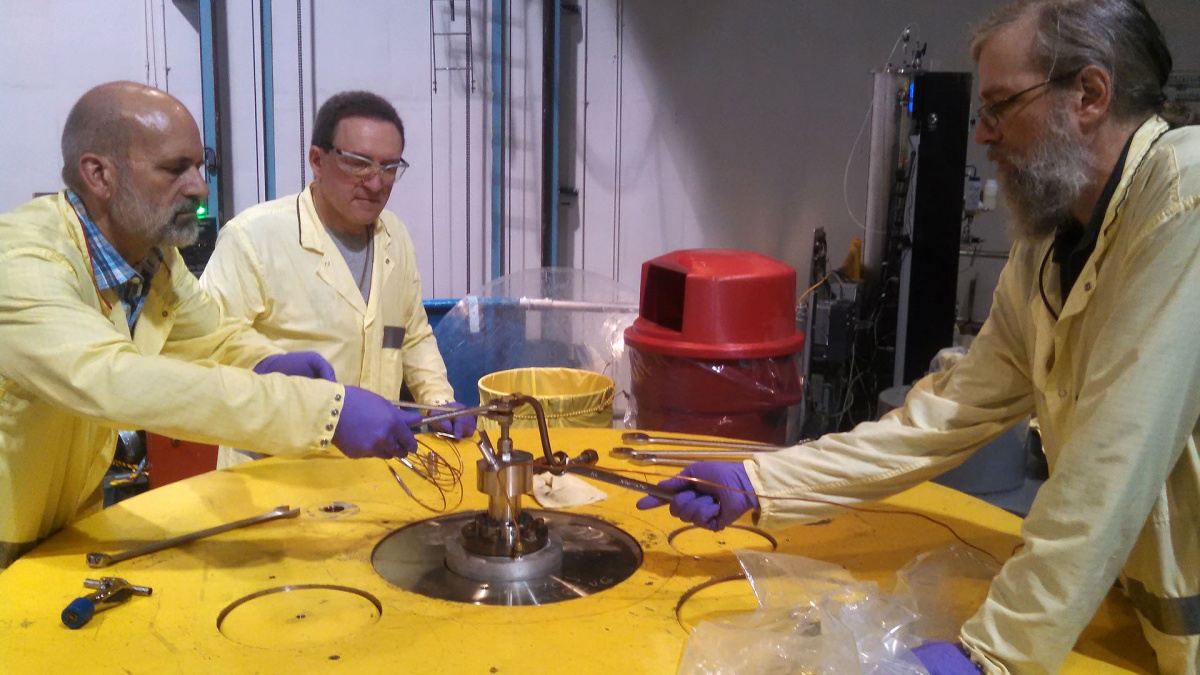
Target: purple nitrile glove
[(370, 426), (459, 427), (706, 505), (945, 658), (297, 364)]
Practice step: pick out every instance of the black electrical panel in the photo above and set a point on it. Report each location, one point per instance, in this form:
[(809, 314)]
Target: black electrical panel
[(196, 256), (941, 120)]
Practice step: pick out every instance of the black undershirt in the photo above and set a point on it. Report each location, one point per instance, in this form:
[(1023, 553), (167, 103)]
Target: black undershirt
[(1073, 242)]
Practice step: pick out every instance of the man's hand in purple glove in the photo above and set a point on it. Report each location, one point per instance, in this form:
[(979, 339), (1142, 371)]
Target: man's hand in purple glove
[(370, 426), (298, 364), (459, 427), (945, 658), (724, 494)]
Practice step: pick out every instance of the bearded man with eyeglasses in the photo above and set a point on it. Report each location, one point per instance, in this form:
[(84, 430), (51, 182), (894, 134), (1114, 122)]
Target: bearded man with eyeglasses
[(1093, 328), (331, 270)]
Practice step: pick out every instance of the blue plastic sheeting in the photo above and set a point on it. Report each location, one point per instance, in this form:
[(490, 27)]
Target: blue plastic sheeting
[(549, 317)]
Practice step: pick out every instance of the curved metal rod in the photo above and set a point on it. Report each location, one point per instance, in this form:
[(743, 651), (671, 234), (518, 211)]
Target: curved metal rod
[(543, 431), (503, 405)]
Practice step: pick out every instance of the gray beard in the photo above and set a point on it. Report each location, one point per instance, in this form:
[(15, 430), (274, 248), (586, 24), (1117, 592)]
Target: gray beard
[(1040, 189), (173, 226)]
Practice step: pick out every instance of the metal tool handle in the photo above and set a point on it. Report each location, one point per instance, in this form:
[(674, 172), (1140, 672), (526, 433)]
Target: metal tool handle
[(622, 452), (636, 437), (110, 591), (662, 462), (443, 412), (98, 560), (621, 481), (106, 583)]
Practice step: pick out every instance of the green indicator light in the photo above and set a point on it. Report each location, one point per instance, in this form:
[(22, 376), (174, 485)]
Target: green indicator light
[(201, 211)]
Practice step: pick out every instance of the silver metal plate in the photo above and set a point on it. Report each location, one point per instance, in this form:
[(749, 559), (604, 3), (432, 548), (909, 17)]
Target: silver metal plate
[(596, 556)]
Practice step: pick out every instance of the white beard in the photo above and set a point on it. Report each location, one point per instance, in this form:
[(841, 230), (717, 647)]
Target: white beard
[(1040, 189)]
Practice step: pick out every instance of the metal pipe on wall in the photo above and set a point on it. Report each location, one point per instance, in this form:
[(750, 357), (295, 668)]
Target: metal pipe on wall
[(208, 90), (499, 132), (551, 60), (267, 57), (888, 93)]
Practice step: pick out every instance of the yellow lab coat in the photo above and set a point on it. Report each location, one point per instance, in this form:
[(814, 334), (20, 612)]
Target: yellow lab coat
[(276, 269), (71, 375), (1115, 384)]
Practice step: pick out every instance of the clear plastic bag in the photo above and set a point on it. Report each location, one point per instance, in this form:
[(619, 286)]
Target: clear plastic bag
[(944, 587), (814, 617), (769, 642)]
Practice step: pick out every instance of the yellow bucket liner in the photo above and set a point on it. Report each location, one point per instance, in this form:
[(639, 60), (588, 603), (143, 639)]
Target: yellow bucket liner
[(569, 397)]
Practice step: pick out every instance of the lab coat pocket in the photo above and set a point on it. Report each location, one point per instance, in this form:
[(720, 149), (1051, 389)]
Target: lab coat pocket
[(393, 337)]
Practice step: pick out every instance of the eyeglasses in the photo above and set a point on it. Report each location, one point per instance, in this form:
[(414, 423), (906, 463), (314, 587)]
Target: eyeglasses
[(364, 168), (991, 113)]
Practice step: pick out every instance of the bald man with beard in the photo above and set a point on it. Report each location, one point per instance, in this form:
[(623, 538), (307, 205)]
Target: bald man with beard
[(1093, 329), (102, 327)]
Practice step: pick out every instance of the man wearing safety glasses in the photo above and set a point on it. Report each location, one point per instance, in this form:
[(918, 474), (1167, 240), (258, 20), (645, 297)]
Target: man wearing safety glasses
[(331, 271), (102, 327)]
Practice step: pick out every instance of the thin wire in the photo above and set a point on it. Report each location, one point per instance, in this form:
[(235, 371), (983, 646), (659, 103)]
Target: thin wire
[(812, 288), (166, 64), (146, 38), (846, 172), (300, 82), (857, 509), (432, 468), (154, 41), (1042, 286)]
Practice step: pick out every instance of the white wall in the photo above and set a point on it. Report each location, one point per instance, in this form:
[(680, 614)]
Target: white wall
[(53, 51), (730, 124), (691, 123)]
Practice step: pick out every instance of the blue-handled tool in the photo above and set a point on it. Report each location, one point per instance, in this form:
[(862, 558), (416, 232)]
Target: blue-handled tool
[(110, 592)]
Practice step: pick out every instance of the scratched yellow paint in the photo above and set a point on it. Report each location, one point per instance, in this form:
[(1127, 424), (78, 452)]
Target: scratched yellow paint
[(631, 628)]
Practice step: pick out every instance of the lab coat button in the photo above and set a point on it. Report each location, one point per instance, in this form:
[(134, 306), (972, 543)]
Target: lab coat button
[(337, 397), (324, 442), (328, 427), (1062, 393), (164, 313), (1087, 286), (334, 412)]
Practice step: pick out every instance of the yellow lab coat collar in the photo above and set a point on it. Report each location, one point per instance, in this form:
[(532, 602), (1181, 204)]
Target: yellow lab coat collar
[(332, 269)]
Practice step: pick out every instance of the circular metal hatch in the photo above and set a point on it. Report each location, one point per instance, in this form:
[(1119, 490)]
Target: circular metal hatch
[(302, 615), (595, 556)]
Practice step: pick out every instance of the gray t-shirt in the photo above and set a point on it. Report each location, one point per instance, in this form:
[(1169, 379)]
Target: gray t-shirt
[(358, 253)]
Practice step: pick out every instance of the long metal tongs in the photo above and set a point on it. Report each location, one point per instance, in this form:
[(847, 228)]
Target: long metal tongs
[(638, 437), (104, 559), (688, 456)]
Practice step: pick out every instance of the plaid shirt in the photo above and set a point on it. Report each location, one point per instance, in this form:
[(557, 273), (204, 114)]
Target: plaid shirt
[(110, 269)]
